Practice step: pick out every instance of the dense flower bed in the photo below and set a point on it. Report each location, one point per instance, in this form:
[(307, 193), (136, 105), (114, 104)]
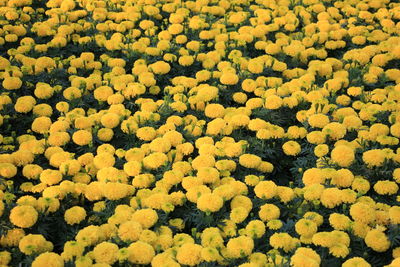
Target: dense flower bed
[(199, 133)]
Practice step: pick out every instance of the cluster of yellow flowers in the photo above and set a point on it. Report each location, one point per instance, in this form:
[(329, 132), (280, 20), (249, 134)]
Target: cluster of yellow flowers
[(168, 133)]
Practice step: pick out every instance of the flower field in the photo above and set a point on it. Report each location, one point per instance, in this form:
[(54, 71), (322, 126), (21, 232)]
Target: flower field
[(199, 133)]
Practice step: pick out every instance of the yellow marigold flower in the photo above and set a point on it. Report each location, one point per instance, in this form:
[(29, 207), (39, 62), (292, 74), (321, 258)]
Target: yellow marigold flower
[(360, 184), (146, 133), (206, 93), (208, 174), (41, 125), (395, 129), (252, 180), (43, 91), (71, 93), (273, 102), (378, 129), (285, 194), (249, 85), (313, 176), (44, 110), (284, 241), (321, 150), (373, 158), (83, 261), (102, 93), (210, 202), (306, 227), (12, 83), (160, 144), (266, 189), (249, 160), (395, 262), (255, 66), (257, 124), (50, 177), (305, 257), (265, 166), (133, 168), (238, 215), (20, 157), (229, 78), (331, 197), (291, 148), (377, 240), (70, 167), (339, 250), (354, 91), (386, 187), (339, 221), (318, 120), (356, 261), (48, 259), (334, 130), (352, 122), (140, 253), (116, 191), (93, 191), (318, 219), (146, 217), (155, 160), (175, 138), (189, 254), (48, 204), (394, 214), (269, 212), (130, 231), (5, 257), (106, 252), (241, 201), (58, 138), (110, 120), (34, 244), (239, 97), (324, 239), (255, 229), (254, 103), (203, 161), (7, 170), (25, 104), (104, 160), (186, 60), (56, 156), (195, 190), (12, 237), (143, 180), (239, 247), (23, 216), (210, 254), (134, 154), (72, 249), (82, 137), (160, 67), (343, 155), (180, 239), (316, 137), (362, 212), (74, 215), (342, 178), (105, 134), (89, 235)]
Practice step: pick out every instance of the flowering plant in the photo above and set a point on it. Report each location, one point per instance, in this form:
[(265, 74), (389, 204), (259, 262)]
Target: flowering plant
[(199, 133)]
